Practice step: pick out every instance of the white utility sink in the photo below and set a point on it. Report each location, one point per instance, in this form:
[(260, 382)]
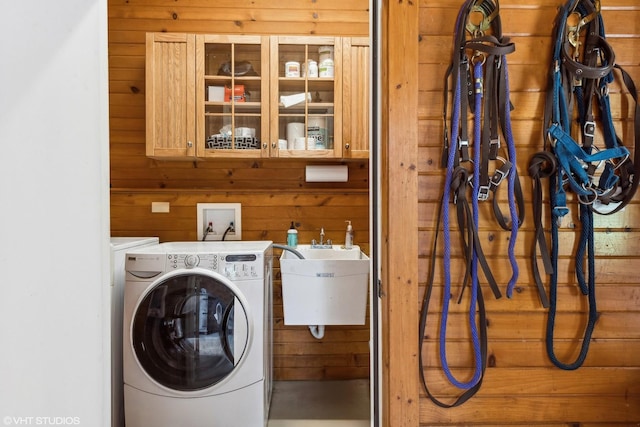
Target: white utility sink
[(328, 287)]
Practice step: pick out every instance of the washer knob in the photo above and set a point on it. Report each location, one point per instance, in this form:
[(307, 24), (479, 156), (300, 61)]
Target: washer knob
[(191, 261)]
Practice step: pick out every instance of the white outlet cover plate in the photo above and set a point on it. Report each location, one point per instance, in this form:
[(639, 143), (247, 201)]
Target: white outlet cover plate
[(220, 215)]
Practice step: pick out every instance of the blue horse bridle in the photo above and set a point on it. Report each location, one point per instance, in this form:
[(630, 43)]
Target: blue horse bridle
[(603, 179)]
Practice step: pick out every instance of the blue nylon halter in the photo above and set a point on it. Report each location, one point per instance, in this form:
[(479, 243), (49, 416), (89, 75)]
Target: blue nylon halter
[(575, 161)]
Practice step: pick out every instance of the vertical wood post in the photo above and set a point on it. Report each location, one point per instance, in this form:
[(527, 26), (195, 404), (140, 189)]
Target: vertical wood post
[(399, 147)]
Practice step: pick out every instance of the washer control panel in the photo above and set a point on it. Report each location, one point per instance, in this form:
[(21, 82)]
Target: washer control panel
[(191, 261), (235, 266)]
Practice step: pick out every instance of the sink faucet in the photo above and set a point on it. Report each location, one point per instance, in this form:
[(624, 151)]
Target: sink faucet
[(322, 244)]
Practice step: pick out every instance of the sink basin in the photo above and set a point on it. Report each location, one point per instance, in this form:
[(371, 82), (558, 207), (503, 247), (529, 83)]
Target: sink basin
[(327, 287), (336, 252)]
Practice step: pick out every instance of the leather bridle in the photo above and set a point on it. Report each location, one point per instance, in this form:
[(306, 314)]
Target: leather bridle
[(477, 164), (602, 178)]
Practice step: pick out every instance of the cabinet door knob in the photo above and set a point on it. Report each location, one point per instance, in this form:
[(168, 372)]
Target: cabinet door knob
[(265, 145), (347, 145), (189, 144), (273, 145)]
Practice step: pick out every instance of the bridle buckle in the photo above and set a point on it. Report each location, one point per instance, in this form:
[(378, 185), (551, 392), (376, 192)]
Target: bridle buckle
[(589, 129), (483, 193)]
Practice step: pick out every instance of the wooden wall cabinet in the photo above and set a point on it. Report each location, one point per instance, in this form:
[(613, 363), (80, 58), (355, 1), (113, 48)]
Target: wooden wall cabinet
[(230, 96), (170, 96)]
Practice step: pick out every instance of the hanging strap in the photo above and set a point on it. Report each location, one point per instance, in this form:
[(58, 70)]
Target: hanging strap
[(542, 165)]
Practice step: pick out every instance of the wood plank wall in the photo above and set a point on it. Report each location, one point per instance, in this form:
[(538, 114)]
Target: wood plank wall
[(399, 216), (521, 385), (272, 192)]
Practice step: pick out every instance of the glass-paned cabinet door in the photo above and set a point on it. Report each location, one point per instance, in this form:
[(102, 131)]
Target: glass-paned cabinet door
[(232, 79), (306, 97)]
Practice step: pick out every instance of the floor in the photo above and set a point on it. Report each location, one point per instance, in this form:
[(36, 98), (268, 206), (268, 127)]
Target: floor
[(320, 404)]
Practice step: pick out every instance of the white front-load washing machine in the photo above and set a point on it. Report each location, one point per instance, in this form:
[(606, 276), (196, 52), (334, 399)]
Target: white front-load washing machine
[(197, 334)]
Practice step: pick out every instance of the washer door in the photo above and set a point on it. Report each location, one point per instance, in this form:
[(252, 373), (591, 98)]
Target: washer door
[(190, 330)]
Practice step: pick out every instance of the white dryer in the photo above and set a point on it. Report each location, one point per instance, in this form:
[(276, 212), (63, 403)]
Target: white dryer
[(197, 337), (119, 247)]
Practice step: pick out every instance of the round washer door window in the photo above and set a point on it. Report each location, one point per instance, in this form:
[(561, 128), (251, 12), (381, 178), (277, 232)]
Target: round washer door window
[(190, 331)]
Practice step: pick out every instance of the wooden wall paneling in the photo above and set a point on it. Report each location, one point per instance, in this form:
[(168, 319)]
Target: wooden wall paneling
[(399, 217), (232, 175), (522, 386), (535, 410), (266, 215), (348, 18)]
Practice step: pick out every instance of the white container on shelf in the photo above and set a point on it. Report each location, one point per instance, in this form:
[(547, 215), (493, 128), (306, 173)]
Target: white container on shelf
[(325, 52), (312, 68), (292, 69), (294, 130), (325, 64), (326, 68), (317, 128)]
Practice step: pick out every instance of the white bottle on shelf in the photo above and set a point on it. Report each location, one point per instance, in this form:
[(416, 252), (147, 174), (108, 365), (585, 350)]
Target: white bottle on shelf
[(348, 238), (312, 68)]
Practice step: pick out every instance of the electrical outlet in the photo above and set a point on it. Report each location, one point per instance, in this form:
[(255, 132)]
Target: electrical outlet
[(219, 221)]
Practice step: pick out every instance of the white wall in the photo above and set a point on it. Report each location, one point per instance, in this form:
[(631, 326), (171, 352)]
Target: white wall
[(54, 213)]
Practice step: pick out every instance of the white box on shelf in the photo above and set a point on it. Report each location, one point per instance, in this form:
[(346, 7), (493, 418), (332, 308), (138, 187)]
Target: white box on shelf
[(216, 93)]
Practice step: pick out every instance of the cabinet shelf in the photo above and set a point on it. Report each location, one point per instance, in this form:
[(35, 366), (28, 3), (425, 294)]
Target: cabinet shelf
[(239, 106), (290, 84), (219, 78)]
